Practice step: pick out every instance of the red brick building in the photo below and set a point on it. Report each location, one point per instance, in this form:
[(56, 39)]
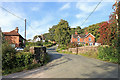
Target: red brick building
[(14, 38), (87, 39)]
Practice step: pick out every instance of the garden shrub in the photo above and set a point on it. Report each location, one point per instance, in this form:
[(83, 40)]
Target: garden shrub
[(29, 44), (108, 53), (13, 61), (27, 48), (8, 56), (39, 43), (24, 59)]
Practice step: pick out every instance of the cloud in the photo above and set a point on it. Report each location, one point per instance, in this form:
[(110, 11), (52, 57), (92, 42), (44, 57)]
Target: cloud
[(37, 30), (39, 26), (78, 23), (8, 22), (35, 8), (66, 6), (85, 10), (87, 7), (81, 15)]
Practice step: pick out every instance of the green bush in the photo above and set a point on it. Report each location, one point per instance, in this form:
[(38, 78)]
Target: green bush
[(80, 45), (13, 61), (39, 43), (24, 59), (27, 48), (29, 44), (108, 53), (8, 56), (48, 44)]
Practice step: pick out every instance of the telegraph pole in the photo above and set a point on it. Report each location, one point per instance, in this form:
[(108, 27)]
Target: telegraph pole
[(25, 28)]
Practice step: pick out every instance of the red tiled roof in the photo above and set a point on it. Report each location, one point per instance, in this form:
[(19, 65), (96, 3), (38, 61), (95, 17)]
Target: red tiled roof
[(82, 36), (11, 33)]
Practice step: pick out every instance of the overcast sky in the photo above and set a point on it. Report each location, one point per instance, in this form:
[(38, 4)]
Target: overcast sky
[(43, 15)]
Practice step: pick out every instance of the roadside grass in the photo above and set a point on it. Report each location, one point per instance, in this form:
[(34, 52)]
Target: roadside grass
[(89, 54), (65, 52), (92, 54)]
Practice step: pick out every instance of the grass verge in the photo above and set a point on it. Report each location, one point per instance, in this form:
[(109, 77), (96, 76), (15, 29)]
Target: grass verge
[(92, 54)]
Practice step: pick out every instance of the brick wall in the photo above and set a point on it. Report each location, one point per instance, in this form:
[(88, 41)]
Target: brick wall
[(39, 52), (13, 40), (83, 49)]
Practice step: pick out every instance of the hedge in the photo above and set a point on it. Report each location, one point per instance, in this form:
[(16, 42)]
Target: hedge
[(108, 53)]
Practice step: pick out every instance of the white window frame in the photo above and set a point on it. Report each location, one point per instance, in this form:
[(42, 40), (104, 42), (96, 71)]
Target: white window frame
[(77, 39), (89, 38)]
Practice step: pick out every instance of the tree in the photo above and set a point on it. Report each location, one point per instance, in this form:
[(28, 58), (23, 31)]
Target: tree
[(51, 32), (72, 31), (108, 31), (104, 33), (78, 29), (93, 29), (47, 36), (62, 33)]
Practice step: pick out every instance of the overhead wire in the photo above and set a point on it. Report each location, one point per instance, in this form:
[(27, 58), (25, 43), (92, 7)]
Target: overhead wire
[(18, 17), (12, 13), (92, 12)]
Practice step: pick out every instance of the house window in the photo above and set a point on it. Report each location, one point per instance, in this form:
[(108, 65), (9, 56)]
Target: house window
[(78, 39), (90, 44), (89, 38), (13, 45)]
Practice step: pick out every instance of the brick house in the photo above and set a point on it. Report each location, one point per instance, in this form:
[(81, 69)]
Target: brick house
[(14, 38), (87, 39)]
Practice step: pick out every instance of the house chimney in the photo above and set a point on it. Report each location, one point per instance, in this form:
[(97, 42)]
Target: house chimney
[(16, 29), (76, 33), (86, 33)]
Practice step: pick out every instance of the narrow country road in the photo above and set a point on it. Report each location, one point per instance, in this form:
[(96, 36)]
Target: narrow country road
[(70, 66)]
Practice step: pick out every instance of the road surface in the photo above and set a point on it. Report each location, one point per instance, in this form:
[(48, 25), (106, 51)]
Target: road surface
[(70, 66)]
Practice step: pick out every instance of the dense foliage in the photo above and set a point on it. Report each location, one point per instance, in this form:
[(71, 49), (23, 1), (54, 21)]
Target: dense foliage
[(58, 32), (52, 33), (109, 35), (93, 29), (78, 29), (8, 56), (62, 33), (48, 37), (13, 61), (108, 53), (29, 44)]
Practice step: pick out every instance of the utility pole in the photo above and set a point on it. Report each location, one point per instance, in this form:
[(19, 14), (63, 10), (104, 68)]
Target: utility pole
[(25, 29)]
